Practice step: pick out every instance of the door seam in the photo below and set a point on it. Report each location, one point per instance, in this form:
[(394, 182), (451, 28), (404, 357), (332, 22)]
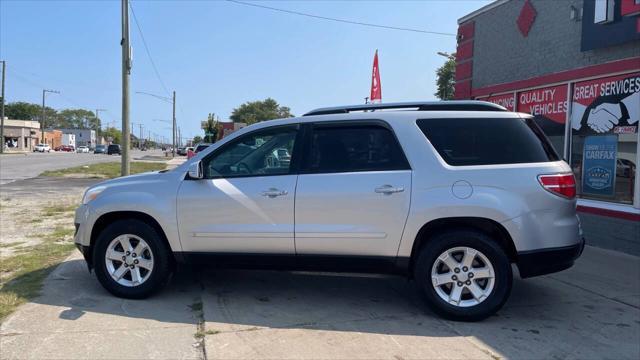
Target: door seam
[(295, 199)]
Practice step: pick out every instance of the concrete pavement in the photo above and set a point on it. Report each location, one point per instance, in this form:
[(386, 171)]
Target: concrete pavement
[(24, 166), (589, 311)]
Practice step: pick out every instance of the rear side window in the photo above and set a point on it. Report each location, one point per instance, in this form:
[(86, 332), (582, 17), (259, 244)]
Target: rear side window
[(486, 141), (354, 148)]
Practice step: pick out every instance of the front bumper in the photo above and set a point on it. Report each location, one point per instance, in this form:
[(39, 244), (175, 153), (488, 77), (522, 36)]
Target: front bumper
[(86, 253), (547, 261), (82, 236)]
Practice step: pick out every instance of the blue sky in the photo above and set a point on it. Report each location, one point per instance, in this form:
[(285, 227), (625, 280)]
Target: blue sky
[(217, 54)]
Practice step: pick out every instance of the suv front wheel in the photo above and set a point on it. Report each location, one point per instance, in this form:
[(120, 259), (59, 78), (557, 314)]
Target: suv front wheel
[(131, 260), (464, 275)]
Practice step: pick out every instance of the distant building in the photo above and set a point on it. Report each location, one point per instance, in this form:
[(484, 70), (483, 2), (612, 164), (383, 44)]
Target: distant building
[(53, 138), (83, 137), (228, 127), (69, 140), (21, 135)]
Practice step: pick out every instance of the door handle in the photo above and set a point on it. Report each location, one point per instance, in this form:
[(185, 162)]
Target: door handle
[(388, 189), (273, 192)]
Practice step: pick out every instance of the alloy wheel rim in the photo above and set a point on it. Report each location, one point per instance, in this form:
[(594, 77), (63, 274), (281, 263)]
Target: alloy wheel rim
[(129, 260), (463, 276)]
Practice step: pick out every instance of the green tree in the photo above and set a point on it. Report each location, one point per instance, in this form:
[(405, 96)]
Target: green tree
[(446, 79), (21, 110), (77, 119), (255, 111), (197, 139), (112, 134), (211, 129)]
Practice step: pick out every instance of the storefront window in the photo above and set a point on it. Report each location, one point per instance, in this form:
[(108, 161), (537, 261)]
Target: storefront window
[(604, 122), (549, 108)]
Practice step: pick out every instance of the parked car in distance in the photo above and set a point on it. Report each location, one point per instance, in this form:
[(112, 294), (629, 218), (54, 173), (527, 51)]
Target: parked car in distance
[(450, 194), (100, 149), (113, 149), (42, 148), (282, 155), (181, 151), (65, 148), (198, 148), (625, 168), (82, 149)]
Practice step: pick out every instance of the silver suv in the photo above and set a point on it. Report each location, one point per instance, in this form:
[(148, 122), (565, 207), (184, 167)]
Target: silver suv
[(448, 193)]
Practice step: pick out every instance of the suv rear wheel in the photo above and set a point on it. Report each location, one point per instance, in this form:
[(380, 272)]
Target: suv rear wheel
[(464, 275), (131, 260)]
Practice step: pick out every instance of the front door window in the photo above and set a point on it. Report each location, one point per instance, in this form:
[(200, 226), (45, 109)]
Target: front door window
[(261, 154)]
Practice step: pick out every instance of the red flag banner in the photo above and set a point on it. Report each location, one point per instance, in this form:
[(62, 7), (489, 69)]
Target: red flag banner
[(376, 85)]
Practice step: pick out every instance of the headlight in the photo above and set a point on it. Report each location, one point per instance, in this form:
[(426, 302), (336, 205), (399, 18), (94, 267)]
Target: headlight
[(92, 194)]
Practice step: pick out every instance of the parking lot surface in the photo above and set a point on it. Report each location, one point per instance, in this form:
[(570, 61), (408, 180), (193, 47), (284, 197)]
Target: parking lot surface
[(591, 311)]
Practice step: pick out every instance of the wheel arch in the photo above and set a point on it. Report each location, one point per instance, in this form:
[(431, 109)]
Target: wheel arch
[(487, 226), (109, 218)]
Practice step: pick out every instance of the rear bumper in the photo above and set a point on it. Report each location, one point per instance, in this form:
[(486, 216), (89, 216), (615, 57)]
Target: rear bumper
[(547, 261)]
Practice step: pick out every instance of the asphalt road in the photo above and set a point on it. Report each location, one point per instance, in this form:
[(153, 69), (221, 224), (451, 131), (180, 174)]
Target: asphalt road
[(24, 166)]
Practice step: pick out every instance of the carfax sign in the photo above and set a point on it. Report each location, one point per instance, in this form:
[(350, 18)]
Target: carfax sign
[(599, 165)]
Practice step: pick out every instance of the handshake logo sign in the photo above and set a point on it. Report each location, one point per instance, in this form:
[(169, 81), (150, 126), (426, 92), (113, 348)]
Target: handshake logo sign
[(604, 117), (610, 105)]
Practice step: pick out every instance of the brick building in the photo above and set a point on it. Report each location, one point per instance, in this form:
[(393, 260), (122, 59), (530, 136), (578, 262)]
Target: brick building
[(575, 65), (53, 138)]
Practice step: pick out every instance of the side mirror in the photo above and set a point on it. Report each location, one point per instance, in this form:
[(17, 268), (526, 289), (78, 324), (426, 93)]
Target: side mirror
[(195, 170)]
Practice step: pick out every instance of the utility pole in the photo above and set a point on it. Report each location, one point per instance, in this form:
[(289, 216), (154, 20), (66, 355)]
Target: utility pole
[(4, 68), (140, 139), (99, 129), (126, 72), (173, 150), (98, 118), (42, 121)]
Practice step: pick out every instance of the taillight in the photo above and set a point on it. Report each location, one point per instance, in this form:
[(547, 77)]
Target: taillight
[(559, 184)]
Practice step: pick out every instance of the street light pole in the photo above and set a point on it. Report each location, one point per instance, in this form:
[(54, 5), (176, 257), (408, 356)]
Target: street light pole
[(173, 150), (140, 139), (4, 63), (172, 100), (126, 72), (99, 130), (42, 120)]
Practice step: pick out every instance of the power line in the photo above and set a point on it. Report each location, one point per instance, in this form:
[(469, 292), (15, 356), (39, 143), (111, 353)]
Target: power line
[(64, 97), (146, 48), (340, 20)]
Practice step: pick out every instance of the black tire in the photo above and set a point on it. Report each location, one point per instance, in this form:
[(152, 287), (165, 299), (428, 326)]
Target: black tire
[(160, 273), (442, 242)]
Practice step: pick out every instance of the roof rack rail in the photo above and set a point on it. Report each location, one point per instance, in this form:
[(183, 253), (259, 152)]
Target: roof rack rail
[(449, 105)]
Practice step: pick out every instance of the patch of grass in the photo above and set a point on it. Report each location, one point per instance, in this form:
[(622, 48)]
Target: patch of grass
[(21, 275), (12, 245), (201, 334), (104, 170), (58, 209), (59, 233)]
